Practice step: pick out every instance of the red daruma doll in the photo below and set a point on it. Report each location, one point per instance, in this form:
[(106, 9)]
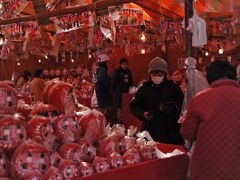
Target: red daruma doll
[(148, 152), (87, 150), (67, 128), (30, 157), (53, 173), (132, 156), (47, 88), (86, 169), (12, 133), (115, 160), (8, 99), (69, 169), (3, 164), (93, 125), (41, 130), (77, 152), (71, 151), (62, 97), (101, 165)]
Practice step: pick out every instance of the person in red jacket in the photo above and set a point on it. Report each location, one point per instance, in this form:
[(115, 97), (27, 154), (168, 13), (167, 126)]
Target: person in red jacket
[(213, 121)]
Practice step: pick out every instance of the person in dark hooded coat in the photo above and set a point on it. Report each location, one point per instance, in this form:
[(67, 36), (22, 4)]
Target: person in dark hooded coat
[(103, 88), (158, 103), (122, 81)]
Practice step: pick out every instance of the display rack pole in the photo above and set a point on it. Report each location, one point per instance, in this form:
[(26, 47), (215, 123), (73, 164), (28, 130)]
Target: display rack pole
[(188, 15)]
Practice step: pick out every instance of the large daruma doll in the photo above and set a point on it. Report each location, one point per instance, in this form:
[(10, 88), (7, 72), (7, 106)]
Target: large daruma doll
[(93, 125), (12, 132), (41, 130), (67, 128), (61, 95), (30, 157), (47, 88)]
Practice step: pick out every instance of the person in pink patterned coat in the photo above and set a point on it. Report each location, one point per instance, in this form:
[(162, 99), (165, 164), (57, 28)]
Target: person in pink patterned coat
[(213, 121)]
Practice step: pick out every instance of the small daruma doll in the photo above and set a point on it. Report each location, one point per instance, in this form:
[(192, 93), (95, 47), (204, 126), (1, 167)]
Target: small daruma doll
[(67, 129), (86, 169), (115, 160), (93, 124), (71, 151), (148, 152), (61, 95), (101, 165), (29, 158), (3, 164), (8, 99), (41, 130), (68, 168), (87, 150), (12, 133), (76, 152), (53, 173), (108, 145), (132, 156)]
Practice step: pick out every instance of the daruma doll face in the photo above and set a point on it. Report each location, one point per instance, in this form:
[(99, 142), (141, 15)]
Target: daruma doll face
[(67, 128), (12, 133), (28, 158), (41, 129)]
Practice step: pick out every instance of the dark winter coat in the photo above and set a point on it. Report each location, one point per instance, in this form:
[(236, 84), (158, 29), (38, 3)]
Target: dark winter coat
[(122, 81), (103, 87), (164, 103)]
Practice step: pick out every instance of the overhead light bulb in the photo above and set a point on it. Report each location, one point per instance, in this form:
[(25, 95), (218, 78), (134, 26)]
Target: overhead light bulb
[(220, 51), (46, 57), (206, 54), (89, 56), (18, 64), (72, 60), (143, 51), (39, 60), (143, 37)]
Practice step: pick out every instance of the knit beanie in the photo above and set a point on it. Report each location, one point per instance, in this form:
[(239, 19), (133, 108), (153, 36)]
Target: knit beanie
[(157, 64)]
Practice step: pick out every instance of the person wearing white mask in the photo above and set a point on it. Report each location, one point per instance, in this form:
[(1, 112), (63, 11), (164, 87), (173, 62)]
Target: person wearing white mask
[(157, 103)]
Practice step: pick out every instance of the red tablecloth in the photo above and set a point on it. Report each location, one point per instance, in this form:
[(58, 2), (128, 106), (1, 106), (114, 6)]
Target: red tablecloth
[(173, 168), (128, 118)]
